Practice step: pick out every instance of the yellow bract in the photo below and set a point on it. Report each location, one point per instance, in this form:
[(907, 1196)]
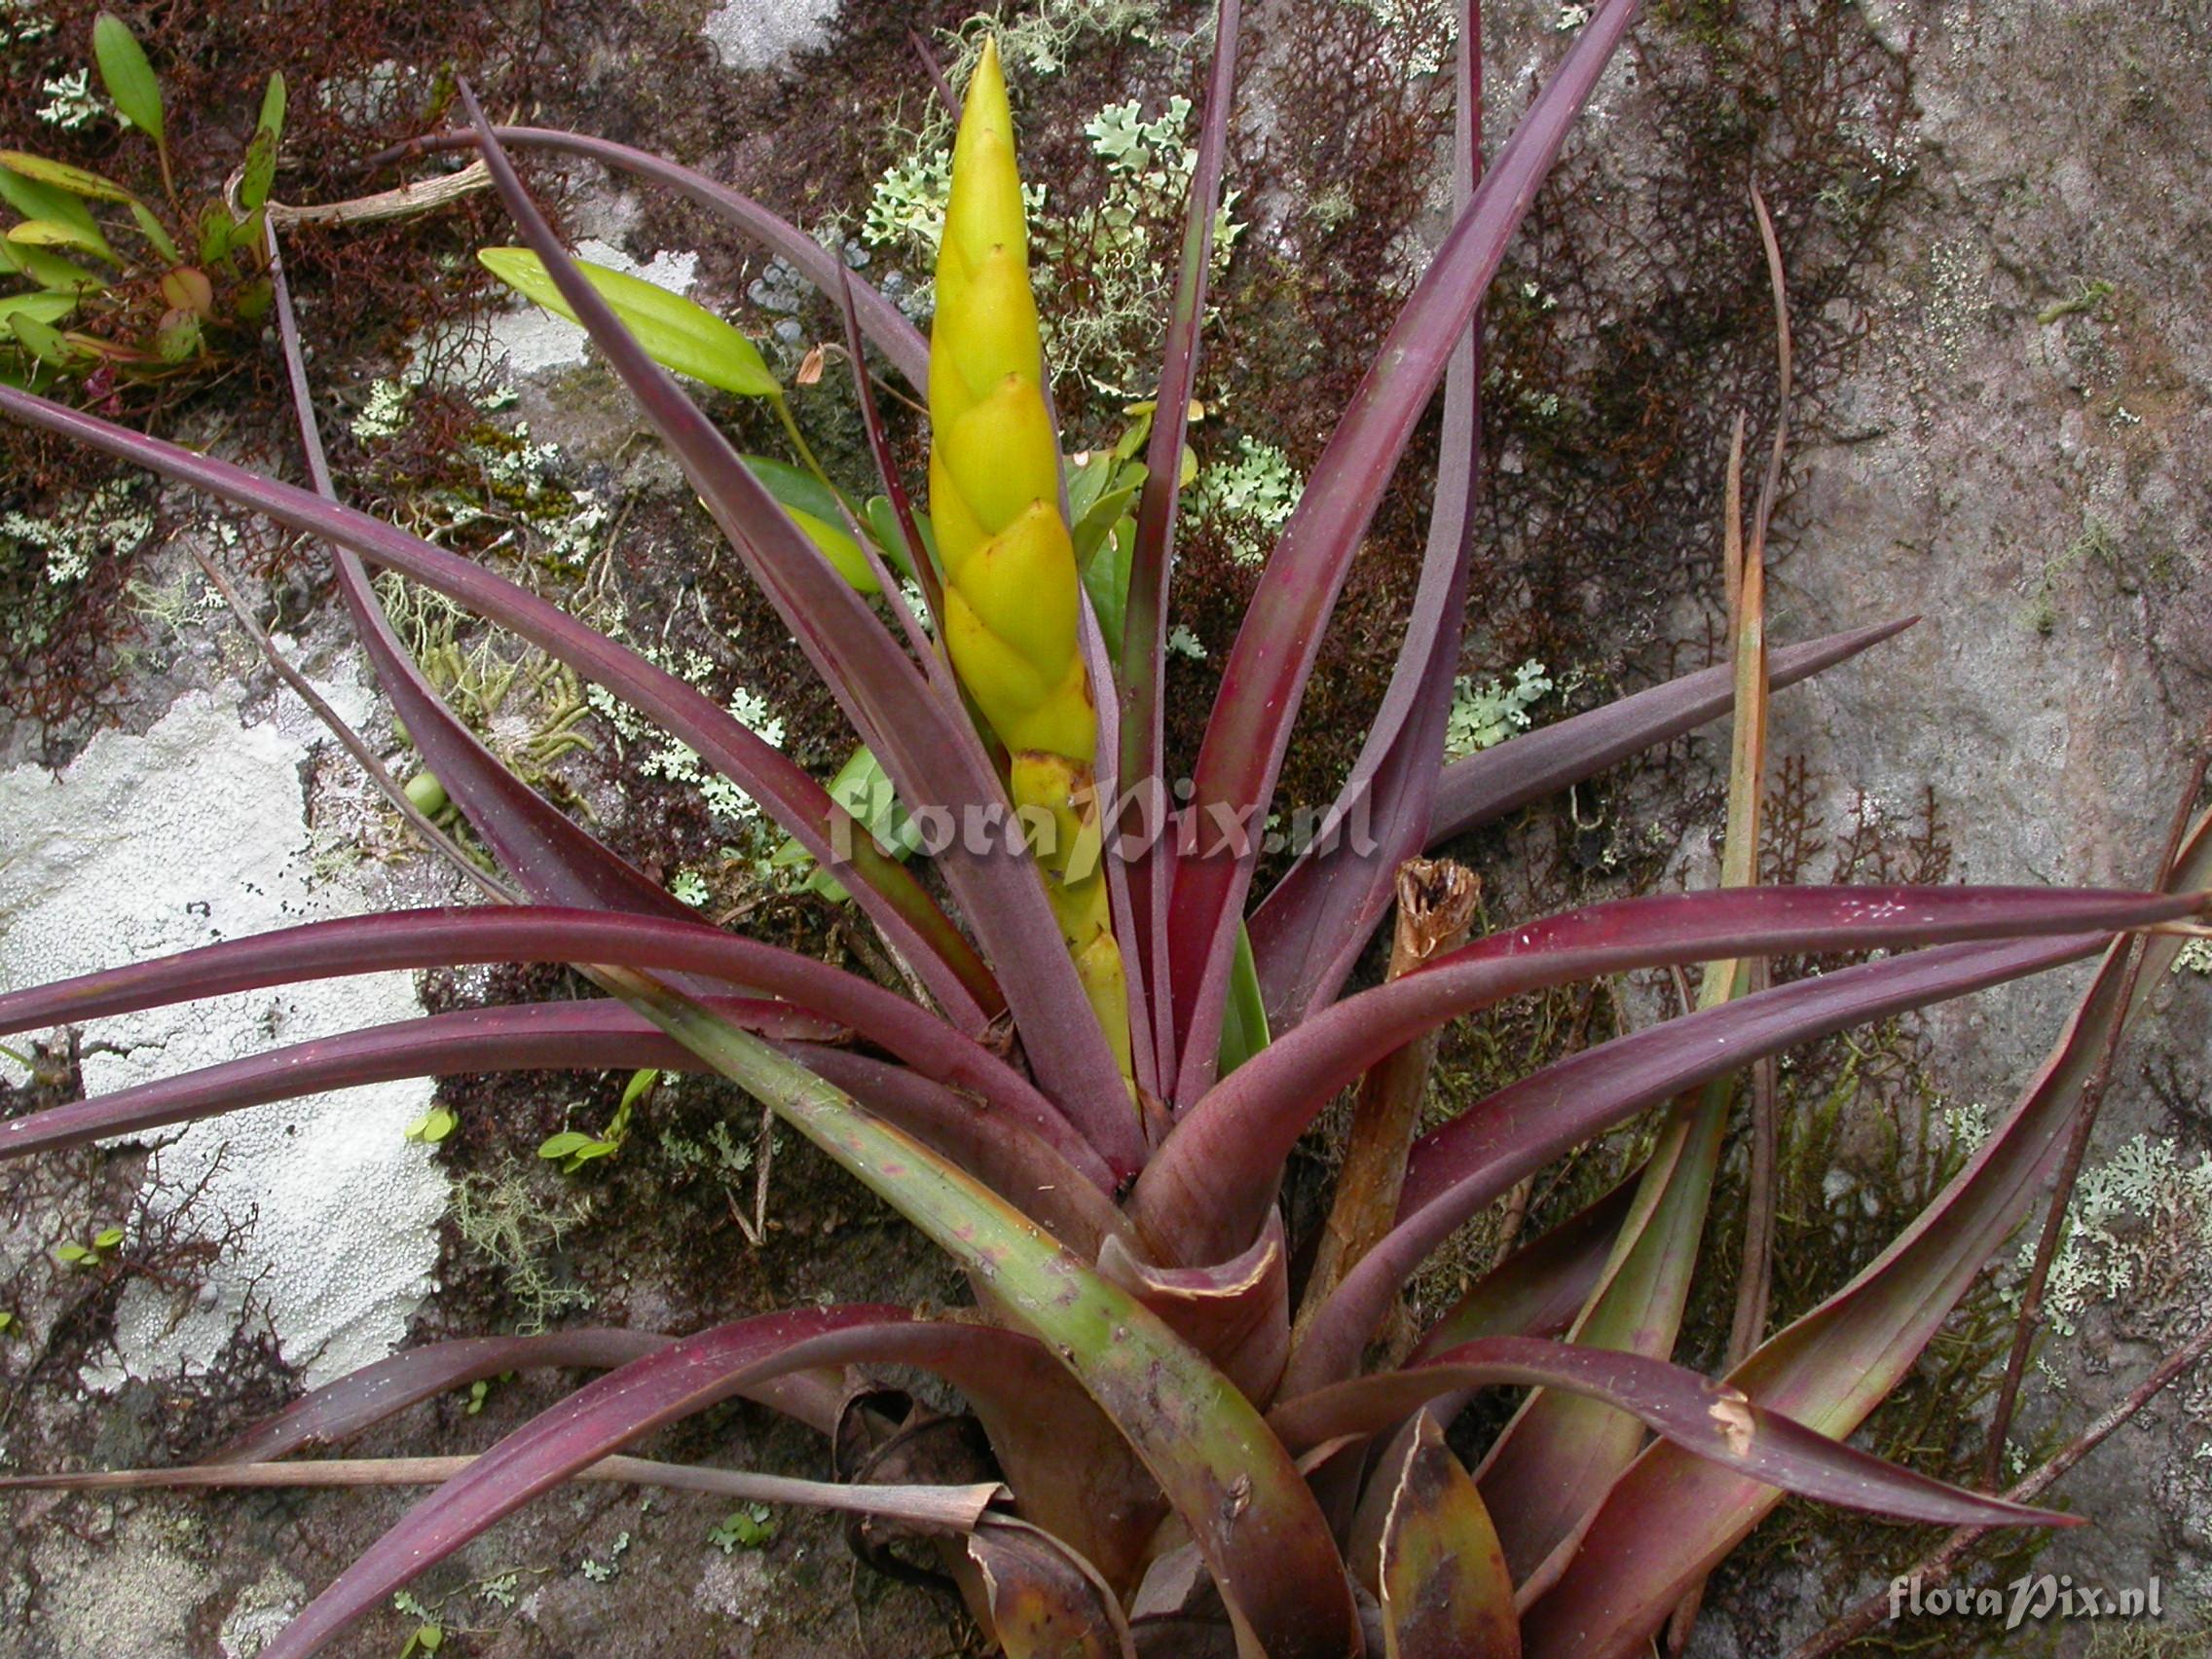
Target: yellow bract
[(1012, 593)]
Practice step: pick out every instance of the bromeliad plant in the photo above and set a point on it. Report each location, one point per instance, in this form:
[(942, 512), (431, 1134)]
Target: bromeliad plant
[(1088, 1098)]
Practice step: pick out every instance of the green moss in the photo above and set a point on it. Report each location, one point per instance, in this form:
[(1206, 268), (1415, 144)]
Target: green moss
[(502, 1218), (2095, 545)]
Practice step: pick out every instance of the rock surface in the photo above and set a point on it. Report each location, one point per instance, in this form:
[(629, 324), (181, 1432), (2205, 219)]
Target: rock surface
[(196, 832)]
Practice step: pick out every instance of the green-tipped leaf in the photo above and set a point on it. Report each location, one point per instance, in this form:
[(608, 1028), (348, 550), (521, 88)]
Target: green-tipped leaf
[(155, 232), (1444, 1587), (261, 155), (60, 232), (1045, 1602), (41, 307), (677, 333), (42, 341), (76, 181)]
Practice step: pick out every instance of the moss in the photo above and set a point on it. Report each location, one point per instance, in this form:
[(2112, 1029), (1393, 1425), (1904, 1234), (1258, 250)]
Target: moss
[(2190, 1639), (2096, 545), (509, 1221)]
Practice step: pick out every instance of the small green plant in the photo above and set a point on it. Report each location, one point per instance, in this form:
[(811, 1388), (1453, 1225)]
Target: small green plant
[(429, 1634), (1483, 716), (433, 1126), (604, 1572), (1249, 499), (572, 1149), (2086, 298), (751, 1528), (96, 1252), (115, 288)]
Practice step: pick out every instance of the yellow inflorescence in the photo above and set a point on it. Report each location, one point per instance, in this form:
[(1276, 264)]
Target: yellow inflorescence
[(1011, 601)]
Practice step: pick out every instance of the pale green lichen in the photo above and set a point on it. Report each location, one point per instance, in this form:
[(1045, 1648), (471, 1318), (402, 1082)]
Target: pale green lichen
[(2140, 1229), (1121, 245), (1964, 1127), (1485, 715), (678, 762), (1042, 41), (62, 548), (71, 104), (1248, 499), (502, 1219), (2195, 957), (718, 1155), (2095, 544), (111, 521), (22, 22), (384, 414)]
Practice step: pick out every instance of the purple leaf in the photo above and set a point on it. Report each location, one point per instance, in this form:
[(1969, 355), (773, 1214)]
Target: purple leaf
[(1516, 1131), (1538, 1289), (553, 861), (1287, 927), (1712, 1419), (1310, 946), (828, 1001), (1835, 1365), (364, 1398), (885, 888), (678, 1381), (1483, 787), (1265, 674), (1027, 1166), (1208, 1186), (1144, 623)]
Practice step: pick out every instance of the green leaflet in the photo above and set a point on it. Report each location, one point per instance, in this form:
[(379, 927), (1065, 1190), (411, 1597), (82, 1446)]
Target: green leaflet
[(863, 788), (60, 232), (820, 511), (1244, 1022), (76, 181), (46, 201), (48, 308), (675, 332), (261, 155), (127, 76)]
